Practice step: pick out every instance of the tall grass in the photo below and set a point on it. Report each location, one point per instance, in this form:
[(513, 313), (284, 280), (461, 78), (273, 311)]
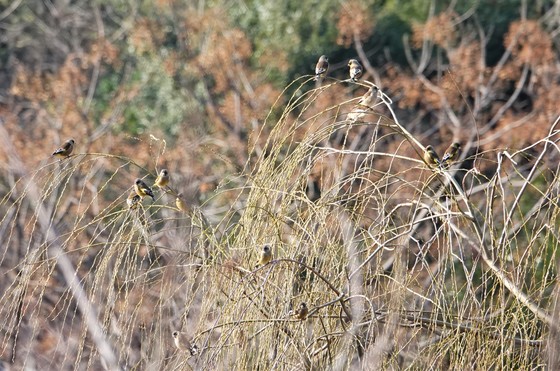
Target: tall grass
[(401, 265)]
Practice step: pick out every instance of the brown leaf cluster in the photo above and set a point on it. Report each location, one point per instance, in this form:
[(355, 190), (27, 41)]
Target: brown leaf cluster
[(224, 56), (546, 108), (464, 80), (467, 67), (145, 35), (413, 93), (354, 20), (57, 100), (239, 95), (439, 29), (530, 43)]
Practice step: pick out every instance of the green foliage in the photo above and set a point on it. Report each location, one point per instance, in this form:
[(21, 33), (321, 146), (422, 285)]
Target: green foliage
[(407, 10), (158, 104), (495, 18), (107, 87), (388, 35), (301, 31)]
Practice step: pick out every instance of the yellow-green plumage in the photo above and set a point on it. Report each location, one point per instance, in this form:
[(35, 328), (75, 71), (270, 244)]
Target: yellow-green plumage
[(142, 189), (162, 179), (431, 157), (450, 154), (266, 255), (180, 203)]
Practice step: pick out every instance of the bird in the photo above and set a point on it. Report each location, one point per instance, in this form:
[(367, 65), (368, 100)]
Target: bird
[(430, 156), (180, 203), (321, 68), (162, 179), (370, 97), (266, 255), (183, 344), (302, 311), (142, 189), (450, 154), (355, 70), (132, 200), (65, 150), (365, 105)]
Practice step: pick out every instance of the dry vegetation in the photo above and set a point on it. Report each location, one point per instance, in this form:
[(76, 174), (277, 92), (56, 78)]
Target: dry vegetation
[(402, 265)]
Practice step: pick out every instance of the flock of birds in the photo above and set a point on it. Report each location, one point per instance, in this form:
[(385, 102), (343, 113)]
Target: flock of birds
[(431, 157), (322, 67), (141, 190), (356, 71)]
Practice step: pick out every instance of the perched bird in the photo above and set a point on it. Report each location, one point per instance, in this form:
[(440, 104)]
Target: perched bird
[(370, 97), (142, 189), (180, 203), (450, 154), (183, 344), (355, 70), (364, 106), (133, 200), (321, 68), (302, 311), (266, 255), (65, 150), (430, 156), (162, 179)]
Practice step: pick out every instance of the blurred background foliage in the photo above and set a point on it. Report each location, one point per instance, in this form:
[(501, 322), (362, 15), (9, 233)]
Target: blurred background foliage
[(219, 65)]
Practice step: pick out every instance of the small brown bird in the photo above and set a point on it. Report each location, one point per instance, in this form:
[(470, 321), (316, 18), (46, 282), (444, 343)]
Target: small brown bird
[(355, 70), (183, 344), (450, 154), (430, 156), (65, 150), (133, 200), (142, 189), (302, 311), (180, 203), (370, 97), (162, 179), (321, 68), (364, 106), (266, 255)]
